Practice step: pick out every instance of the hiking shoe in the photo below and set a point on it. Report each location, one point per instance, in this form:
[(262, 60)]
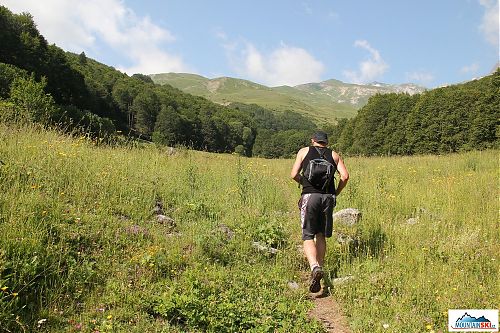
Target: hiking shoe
[(316, 276)]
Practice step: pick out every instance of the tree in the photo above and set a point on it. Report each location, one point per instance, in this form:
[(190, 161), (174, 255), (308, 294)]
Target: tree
[(146, 106), (123, 93), (30, 99), (82, 59), (169, 127), (7, 74), (248, 138), (143, 78)]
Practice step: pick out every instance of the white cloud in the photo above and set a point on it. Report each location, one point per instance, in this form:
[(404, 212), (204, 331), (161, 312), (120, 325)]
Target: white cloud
[(83, 26), (422, 77), (333, 15), (490, 24), (285, 65), (469, 69), (370, 69), (307, 8), (220, 34)]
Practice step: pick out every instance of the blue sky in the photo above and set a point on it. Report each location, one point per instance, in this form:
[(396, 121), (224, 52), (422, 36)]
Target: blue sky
[(428, 42)]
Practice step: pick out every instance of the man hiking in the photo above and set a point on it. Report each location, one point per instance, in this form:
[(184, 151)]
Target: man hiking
[(314, 169)]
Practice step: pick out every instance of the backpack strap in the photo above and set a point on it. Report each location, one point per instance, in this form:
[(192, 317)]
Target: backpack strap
[(321, 152)]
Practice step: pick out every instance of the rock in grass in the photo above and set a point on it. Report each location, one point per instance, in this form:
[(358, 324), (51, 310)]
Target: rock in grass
[(226, 231), (348, 216), (136, 230), (342, 280), (293, 285), (345, 239), (158, 208), (412, 220), (170, 151), (166, 221), (264, 248)]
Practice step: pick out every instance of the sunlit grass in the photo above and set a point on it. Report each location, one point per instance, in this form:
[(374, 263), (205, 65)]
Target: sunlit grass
[(80, 246)]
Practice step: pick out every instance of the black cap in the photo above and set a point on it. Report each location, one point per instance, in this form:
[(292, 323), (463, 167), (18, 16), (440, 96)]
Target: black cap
[(320, 137)]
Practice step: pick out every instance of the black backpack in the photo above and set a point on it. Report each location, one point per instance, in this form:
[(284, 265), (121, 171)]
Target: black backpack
[(319, 172)]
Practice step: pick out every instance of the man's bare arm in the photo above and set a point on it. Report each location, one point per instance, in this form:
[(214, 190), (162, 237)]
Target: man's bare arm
[(295, 173), (344, 174)]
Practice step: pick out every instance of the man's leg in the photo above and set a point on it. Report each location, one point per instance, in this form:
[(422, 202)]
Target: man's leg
[(311, 253), (320, 248), (310, 210), (314, 254), (315, 250)]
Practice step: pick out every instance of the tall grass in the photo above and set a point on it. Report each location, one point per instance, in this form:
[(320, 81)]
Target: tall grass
[(408, 273), (81, 250)]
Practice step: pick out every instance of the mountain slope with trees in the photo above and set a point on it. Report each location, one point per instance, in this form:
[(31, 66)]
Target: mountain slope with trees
[(443, 120), (41, 82), (325, 101)]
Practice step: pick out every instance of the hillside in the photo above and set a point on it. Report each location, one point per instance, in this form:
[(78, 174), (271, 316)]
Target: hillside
[(226, 90), (44, 84), (41, 83), (449, 119), (356, 95), (97, 238), (324, 101)]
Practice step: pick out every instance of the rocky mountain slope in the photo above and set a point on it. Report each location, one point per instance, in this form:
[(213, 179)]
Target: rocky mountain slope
[(325, 100)]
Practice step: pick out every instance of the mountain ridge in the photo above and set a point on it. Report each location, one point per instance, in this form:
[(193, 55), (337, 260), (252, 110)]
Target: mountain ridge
[(325, 101)]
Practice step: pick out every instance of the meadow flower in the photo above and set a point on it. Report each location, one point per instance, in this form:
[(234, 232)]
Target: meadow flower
[(429, 326)]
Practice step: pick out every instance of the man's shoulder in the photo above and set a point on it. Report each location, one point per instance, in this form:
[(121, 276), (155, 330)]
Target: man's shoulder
[(303, 151), (336, 156)]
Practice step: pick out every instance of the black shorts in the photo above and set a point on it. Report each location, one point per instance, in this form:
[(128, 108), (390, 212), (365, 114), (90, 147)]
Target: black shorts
[(316, 210)]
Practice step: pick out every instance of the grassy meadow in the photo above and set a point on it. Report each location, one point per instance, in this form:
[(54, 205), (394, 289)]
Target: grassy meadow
[(81, 249)]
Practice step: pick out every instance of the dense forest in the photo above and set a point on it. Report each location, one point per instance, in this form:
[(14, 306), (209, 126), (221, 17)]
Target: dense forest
[(42, 83), (449, 119)]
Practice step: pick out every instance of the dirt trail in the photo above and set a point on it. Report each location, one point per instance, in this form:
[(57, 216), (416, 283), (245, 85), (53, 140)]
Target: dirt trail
[(328, 311)]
